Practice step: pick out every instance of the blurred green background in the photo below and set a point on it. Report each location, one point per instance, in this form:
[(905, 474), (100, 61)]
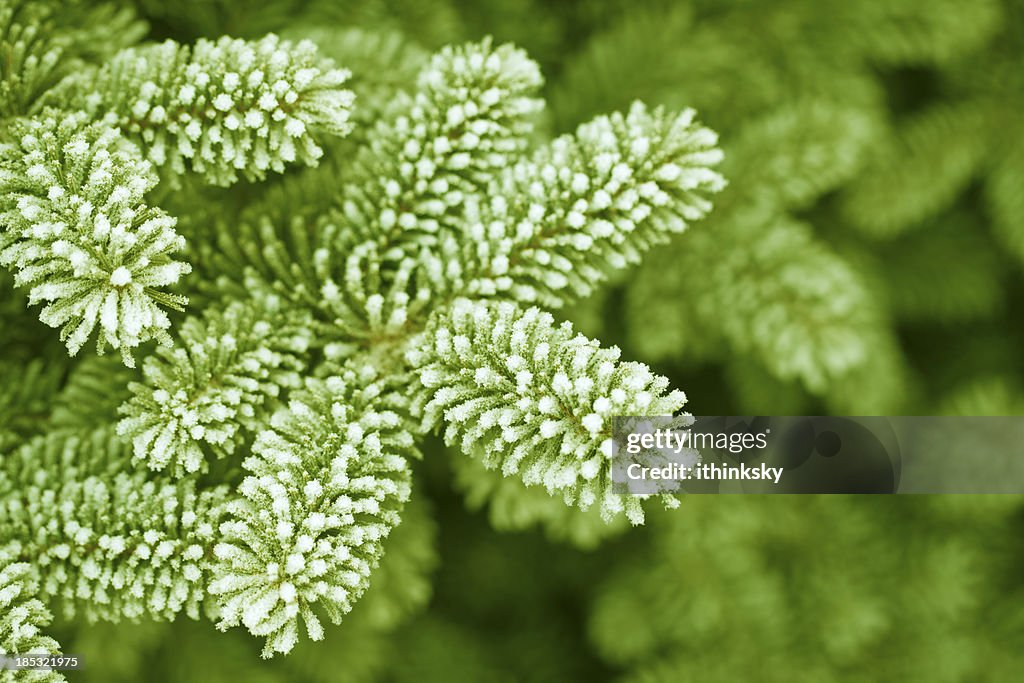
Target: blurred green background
[(866, 259)]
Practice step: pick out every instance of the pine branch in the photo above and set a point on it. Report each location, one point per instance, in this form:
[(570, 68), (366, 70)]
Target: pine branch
[(535, 400), (795, 153), (107, 542), (43, 41), (28, 392), (326, 486), (221, 109), (216, 385), (469, 118), (30, 61), (22, 618), (442, 199), (785, 298), (78, 233), (587, 205), (920, 172)]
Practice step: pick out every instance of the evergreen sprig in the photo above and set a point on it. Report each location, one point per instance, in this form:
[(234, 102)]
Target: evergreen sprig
[(557, 225), (335, 330), (214, 386), (224, 108), (23, 618), (105, 540), (535, 400), (470, 116), (326, 486), (42, 42), (78, 232)]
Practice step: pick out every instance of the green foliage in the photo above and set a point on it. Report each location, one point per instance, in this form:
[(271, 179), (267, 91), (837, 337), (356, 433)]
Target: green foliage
[(367, 217), (270, 245), (79, 234), (43, 41), (922, 283), (23, 618), (809, 588), (30, 391), (401, 585), (913, 176), (326, 486), (810, 105), (87, 397), (536, 401), (900, 32), (1006, 201), (760, 302), (215, 385), (33, 63), (799, 151), (104, 539), (221, 109)]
